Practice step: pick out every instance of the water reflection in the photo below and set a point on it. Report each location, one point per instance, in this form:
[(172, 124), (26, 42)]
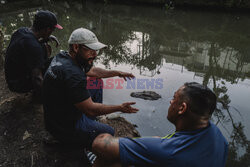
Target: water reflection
[(178, 46)]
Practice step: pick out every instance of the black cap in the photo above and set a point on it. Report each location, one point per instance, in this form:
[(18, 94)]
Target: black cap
[(44, 19)]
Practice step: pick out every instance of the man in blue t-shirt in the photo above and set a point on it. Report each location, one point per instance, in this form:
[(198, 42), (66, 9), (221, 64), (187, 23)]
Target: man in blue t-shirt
[(28, 52), (196, 142)]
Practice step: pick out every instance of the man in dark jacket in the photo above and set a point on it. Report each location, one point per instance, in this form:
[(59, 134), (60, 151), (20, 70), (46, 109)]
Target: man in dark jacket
[(28, 52)]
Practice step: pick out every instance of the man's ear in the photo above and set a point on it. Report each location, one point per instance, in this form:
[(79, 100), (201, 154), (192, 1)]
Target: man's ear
[(183, 108), (75, 48)]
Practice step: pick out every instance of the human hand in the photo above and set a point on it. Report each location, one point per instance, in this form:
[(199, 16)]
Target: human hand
[(126, 107), (53, 38), (126, 75)]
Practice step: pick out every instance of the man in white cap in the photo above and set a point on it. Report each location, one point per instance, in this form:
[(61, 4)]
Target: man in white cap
[(69, 110)]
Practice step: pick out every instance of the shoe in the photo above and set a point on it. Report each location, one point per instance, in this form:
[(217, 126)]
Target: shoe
[(91, 156)]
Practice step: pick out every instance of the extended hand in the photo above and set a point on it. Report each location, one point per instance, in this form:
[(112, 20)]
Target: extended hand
[(126, 108), (126, 75)]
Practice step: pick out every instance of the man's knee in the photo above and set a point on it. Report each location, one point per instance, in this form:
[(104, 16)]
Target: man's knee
[(99, 143), (106, 147)]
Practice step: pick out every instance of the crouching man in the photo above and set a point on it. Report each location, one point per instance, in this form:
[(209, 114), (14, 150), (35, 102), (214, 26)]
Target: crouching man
[(28, 54), (196, 142), (69, 111)]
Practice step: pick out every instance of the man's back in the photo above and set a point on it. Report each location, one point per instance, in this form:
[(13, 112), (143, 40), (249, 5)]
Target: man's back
[(204, 147), (23, 54)]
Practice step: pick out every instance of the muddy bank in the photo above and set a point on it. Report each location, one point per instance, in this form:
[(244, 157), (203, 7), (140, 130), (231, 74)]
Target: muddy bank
[(24, 142)]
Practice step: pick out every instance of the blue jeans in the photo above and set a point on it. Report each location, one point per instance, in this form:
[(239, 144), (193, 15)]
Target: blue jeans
[(88, 128)]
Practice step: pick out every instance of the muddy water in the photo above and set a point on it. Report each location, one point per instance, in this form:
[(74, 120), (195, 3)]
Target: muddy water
[(164, 49)]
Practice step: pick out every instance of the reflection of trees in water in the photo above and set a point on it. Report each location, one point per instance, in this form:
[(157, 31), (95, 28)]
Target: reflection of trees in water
[(137, 48), (118, 52), (238, 138), (239, 141), (147, 59)]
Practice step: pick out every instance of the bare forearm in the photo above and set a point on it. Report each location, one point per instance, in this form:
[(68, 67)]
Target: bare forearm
[(102, 73), (95, 109), (102, 109)]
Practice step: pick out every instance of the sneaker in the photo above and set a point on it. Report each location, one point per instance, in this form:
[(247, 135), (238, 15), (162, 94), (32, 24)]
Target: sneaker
[(91, 156)]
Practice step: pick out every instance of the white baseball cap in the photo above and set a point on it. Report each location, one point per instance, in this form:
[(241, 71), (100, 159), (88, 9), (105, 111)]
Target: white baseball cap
[(87, 38)]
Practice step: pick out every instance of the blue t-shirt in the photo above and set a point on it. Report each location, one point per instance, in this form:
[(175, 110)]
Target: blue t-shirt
[(205, 147)]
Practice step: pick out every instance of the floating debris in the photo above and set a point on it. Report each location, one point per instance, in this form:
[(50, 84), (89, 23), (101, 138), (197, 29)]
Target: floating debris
[(146, 95)]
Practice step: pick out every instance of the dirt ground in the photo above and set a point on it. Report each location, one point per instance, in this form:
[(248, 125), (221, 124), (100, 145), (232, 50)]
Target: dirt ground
[(24, 142)]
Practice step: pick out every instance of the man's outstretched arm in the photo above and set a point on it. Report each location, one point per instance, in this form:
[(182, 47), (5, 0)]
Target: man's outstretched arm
[(102, 73), (96, 109), (106, 147)]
